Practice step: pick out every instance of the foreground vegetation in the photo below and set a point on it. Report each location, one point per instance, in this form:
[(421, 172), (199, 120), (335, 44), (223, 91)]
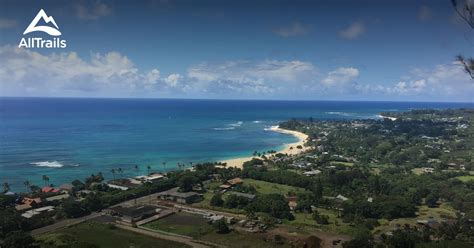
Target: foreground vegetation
[(95, 234)]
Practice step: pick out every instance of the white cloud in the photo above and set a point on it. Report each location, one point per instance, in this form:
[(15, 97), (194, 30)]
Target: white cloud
[(27, 72), (341, 76), (353, 31), (93, 11), (7, 23), (425, 13), (294, 29), (442, 82), (248, 76)]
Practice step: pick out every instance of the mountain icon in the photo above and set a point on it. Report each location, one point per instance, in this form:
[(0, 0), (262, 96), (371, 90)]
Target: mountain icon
[(47, 29)]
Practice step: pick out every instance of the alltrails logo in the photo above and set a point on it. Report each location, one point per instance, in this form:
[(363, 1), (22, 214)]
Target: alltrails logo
[(38, 42)]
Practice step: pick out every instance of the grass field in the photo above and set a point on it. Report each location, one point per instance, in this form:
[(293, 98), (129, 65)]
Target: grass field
[(197, 227), (101, 235), (263, 187), (349, 164), (424, 212), (182, 223), (305, 221), (466, 179)]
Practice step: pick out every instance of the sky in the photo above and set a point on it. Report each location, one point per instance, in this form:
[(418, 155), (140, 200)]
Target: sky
[(391, 50)]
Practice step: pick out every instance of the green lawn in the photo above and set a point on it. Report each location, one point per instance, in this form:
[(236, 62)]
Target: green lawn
[(305, 221), (238, 240), (101, 235), (466, 179), (197, 227), (263, 187), (424, 212), (349, 164), (182, 223)]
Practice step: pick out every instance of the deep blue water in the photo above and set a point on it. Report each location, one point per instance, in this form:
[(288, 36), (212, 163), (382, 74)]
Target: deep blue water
[(84, 136)]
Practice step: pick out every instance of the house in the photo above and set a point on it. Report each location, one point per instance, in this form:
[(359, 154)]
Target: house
[(342, 198), (58, 197), (311, 173), (133, 214), (235, 181), (250, 197), (231, 183), (114, 186), (27, 203), (66, 187), (180, 197), (30, 213), (153, 177), (48, 189)]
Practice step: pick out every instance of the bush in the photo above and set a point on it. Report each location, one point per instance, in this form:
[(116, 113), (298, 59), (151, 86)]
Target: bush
[(217, 201)]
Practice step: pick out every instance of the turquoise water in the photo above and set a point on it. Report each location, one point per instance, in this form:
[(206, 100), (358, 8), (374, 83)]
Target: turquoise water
[(68, 139)]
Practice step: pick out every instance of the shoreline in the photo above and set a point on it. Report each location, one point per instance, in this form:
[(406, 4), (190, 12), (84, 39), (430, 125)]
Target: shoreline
[(289, 149)]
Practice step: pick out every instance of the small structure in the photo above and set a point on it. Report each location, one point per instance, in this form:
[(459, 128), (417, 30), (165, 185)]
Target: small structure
[(66, 187), (311, 173), (153, 177), (250, 197), (341, 197), (131, 215), (180, 197), (27, 203), (58, 197), (114, 186), (231, 183), (30, 213), (48, 189), (235, 181)]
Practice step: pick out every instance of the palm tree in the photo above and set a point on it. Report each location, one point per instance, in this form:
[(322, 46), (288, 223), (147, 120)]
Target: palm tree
[(164, 165), (113, 173), (148, 169), (45, 179), (27, 184), (136, 167), (6, 187), (120, 172)]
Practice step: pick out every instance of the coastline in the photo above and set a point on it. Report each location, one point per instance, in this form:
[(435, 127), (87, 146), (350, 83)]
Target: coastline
[(289, 149)]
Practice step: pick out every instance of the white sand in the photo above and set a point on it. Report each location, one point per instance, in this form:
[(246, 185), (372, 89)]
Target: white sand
[(289, 149)]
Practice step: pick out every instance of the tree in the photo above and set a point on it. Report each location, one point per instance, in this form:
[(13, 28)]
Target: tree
[(216, 200), (45, 180), (362, 239), (320, 219), (74, 209), (113, 173), (187, 182), (27, 184), (78, 185), (466, 12), (432, 200), (19, 239), (120, 172), (148, 168), (6, 187), (221, 226)]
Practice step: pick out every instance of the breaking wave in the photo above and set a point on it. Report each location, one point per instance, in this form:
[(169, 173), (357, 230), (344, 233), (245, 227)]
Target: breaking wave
[(53, 164)]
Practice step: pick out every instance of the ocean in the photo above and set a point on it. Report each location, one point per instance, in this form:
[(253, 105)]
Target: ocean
[(71, 138)]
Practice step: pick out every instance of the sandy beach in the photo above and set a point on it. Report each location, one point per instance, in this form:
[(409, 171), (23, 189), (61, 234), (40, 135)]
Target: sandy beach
[(289, 149)]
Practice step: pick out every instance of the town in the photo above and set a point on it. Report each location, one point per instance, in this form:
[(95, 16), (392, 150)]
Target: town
[(404, 180)]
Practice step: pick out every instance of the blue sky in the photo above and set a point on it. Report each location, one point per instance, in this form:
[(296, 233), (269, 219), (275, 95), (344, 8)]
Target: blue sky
[(319, 50)]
